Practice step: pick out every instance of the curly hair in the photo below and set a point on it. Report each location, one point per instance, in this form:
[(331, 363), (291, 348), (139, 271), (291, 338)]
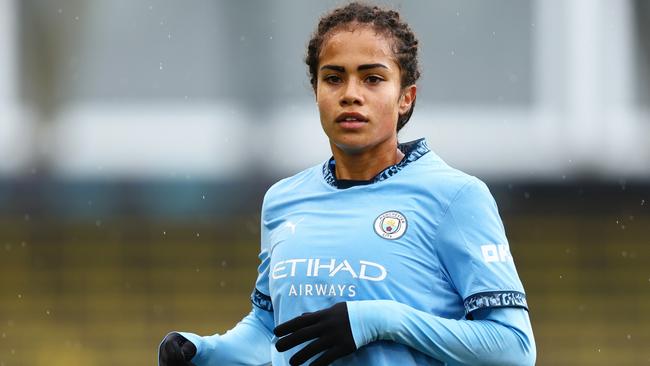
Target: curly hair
[(387, 22)]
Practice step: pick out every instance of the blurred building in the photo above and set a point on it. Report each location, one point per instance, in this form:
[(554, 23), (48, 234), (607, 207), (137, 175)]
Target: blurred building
[(213, 94)]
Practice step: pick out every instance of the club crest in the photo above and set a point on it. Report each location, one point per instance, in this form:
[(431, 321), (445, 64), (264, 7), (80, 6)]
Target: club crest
[(390, 225)]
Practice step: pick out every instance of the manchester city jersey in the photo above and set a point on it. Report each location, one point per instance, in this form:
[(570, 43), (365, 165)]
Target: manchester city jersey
[(421, 233)]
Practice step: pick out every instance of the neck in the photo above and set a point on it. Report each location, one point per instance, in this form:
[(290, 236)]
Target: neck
[(365, 164)]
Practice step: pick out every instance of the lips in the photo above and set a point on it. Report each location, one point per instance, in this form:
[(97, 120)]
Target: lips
[(351, 117)]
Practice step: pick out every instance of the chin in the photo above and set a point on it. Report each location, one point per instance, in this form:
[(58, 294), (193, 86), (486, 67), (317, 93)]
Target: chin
[(351, 147)]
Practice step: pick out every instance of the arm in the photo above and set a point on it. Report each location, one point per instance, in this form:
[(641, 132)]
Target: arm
[(248, 343), (501, 336)]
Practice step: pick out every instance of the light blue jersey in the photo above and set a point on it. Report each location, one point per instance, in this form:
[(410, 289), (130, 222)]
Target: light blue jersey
[(422, 234), (413, 251)]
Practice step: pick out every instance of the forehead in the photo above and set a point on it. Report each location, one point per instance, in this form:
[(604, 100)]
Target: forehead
[(356, 44)]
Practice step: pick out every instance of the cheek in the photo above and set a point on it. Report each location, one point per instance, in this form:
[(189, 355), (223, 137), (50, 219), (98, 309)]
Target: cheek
[(389, 110), (326, 103)]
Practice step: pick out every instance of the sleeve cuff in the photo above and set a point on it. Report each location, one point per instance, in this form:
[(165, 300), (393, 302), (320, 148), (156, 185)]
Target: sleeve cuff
[(369, 320), (202, 344)]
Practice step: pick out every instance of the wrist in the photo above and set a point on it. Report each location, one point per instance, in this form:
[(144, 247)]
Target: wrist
[(370, 320), (202, 344)]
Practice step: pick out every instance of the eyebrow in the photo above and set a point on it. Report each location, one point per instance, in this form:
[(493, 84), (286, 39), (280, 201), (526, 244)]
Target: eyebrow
[(360, 68)]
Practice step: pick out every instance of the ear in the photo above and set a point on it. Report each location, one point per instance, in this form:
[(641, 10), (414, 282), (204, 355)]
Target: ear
[(407, 98)]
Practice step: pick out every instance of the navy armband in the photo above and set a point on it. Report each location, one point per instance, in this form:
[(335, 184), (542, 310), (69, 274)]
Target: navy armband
[(495, 299), (261, 301)]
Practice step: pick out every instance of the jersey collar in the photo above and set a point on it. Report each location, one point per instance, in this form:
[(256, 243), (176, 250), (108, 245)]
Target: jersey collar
[(412, 151)]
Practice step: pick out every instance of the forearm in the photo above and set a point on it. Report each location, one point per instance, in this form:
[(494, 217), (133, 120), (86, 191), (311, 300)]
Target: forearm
[(501, 337), (248, 343)]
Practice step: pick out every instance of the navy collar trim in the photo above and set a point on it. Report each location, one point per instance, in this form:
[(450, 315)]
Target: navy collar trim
[(412, 150)]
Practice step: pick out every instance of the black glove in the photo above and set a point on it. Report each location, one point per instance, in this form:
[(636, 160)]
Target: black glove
[(329, 327), (176, 350)]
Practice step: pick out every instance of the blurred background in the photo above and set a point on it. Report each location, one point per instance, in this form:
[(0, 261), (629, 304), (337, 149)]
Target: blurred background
[(137, 139)]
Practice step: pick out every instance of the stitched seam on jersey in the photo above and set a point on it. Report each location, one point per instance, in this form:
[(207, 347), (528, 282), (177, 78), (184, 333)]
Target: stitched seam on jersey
[(467, 251), (436, 236)]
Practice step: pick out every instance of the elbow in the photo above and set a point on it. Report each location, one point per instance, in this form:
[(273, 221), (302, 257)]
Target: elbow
[(519, 350), (527, 350), (527, 346), (511, 356), (529, 354)]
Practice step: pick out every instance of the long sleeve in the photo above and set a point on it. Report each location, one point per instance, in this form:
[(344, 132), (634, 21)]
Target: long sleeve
[(248, 343), (500, 336)]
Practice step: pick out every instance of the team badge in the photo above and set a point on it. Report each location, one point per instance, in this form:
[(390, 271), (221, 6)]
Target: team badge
[(390, 225)]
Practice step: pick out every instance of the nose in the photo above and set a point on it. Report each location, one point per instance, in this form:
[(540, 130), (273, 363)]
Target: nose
[(351, 94)]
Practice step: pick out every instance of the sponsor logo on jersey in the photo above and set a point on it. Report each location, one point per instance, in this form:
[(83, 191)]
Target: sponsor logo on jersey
[(315, 267), (496, 253), (390, 225), (316, 272)]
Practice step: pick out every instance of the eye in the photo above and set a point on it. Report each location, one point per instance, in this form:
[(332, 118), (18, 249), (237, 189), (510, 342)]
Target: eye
[(374, 79), (332, 79)]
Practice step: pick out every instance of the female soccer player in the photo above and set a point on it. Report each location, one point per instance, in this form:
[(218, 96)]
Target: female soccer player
[(383, 255)]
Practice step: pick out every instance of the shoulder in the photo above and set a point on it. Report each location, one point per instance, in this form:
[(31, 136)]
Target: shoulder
[(293, 187), (445, 183)]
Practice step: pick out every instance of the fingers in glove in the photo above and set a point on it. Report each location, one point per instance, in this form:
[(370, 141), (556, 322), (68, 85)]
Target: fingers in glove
[(296, 323), (170, 349), (296, 338), (175, 350), (330, 356), (310, 350), (188, 349)]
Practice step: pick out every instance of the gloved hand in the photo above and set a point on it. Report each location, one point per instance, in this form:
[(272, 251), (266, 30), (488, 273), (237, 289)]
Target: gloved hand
[(176, 350), (329, 327)]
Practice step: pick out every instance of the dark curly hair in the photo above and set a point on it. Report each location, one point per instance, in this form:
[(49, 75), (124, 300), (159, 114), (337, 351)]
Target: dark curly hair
[(388, 22)]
